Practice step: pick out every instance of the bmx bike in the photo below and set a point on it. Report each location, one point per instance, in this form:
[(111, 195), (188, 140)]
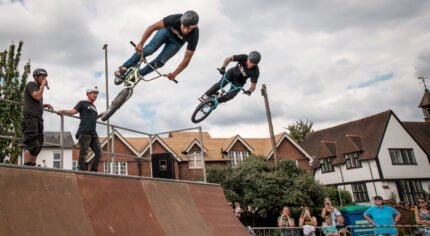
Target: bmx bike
[(207, 106), (131, 79)]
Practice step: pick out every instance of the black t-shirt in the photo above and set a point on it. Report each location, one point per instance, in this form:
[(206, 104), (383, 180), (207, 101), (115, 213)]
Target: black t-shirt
[(173, 24), (240, 73), (32, 107), (88, 113)]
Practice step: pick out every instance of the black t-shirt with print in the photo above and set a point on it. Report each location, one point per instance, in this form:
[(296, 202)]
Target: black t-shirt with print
[(88, 113), (240, 73), (173, 24), (32, 107)]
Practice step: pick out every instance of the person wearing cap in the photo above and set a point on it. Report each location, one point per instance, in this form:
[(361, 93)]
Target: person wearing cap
[(32, 123), (381, 214), (87, 134), (246, 67), (173, 31)]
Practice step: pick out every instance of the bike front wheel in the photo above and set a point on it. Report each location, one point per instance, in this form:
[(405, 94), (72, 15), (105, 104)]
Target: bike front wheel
[(202, 111), (119, 100)]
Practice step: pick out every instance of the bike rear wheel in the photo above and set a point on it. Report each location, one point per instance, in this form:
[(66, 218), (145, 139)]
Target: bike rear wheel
[(119, 100), (202, 111)]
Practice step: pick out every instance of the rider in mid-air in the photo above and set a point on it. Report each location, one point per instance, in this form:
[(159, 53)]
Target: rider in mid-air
[(172, 31), (246, 67)]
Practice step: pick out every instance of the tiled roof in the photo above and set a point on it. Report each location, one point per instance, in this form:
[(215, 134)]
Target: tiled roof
[(363, 135), (420, 131), (52, 139)]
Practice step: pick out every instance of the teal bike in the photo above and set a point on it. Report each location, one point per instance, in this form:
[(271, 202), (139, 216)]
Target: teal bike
[(205, 108)]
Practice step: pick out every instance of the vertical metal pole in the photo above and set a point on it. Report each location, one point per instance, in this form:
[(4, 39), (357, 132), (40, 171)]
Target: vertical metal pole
[(107, 105), (113, 151), (150, 156), (202, 154), (62, 141), (269, 121)]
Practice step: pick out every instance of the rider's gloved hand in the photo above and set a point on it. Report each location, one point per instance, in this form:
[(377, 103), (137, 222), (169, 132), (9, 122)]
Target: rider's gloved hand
[(247, 92), (221, 70)]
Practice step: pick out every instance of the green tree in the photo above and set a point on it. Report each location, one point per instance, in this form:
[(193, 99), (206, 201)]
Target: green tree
[(266, 188), (11, 100), (299, 130)]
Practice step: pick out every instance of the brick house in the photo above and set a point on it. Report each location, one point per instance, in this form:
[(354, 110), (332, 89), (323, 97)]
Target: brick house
[(177, 156)]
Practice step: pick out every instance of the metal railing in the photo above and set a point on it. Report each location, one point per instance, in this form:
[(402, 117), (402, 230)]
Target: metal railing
[(355, 230), (57, 119)]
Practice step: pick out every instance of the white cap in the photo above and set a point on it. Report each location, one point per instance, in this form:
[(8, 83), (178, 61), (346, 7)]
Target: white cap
[(95, 89)]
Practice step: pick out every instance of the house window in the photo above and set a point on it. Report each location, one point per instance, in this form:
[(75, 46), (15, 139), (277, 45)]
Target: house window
[(195, 160), (410, 191), (352, 160), (237, 157), (56, 163), (404, 156), (326, 165), (74, 165), (360, 192), (119, 167)]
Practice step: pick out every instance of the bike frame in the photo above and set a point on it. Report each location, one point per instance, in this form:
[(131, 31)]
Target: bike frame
[(132, 76), (223, 91)]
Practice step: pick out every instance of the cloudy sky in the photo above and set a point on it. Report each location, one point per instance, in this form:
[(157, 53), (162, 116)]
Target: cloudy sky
[(329, 62)]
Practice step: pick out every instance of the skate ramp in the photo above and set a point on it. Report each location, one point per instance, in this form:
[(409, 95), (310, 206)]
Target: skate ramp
[(40, 201)]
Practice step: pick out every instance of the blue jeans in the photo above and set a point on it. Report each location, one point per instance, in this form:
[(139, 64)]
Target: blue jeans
[(171, 47)]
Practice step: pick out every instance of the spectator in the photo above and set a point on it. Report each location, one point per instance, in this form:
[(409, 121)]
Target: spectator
[(422, 217), (308, 222), (237, 210), (381, 214), (328, 228), (87, 134), (341, 227), (330, 211), (32, 122), (285, 220)]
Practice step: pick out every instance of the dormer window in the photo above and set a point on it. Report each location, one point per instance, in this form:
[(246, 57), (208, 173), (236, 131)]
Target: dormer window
[(352, 160), (237, 157), (326, 165)]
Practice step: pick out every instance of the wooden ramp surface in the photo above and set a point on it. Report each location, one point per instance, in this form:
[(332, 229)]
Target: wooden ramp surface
[(40, 201)]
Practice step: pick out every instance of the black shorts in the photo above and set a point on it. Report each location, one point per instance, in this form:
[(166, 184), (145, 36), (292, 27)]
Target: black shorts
[(32, 134)]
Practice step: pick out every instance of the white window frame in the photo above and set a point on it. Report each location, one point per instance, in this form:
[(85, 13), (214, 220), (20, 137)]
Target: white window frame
[(236, 157), (56, 160), (119, 168), (326, 165), (352, 161), (75, 165), (195, 160)]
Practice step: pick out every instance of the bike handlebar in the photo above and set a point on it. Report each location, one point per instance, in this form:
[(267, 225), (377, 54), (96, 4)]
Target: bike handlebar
[(153, 68)]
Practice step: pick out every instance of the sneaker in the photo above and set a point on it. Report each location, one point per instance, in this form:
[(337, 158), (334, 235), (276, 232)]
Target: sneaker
[(119, 75), (203, 98)]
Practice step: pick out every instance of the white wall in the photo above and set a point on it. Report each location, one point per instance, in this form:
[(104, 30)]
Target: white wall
[(47, 154), (397, 137)]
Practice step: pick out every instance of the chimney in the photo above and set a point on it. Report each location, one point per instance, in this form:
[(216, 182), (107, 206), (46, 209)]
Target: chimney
[(425, 102)]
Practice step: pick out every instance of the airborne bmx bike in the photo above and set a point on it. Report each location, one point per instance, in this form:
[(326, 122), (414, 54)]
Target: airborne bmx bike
[(207, 106), (131, 79)]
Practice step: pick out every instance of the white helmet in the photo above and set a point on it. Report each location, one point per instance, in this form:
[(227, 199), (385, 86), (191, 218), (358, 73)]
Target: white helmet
[(91, 90)]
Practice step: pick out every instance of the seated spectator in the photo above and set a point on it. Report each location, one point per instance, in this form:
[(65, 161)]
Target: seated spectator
[(380, 214), (341, 227), (308, 222), (422, 217), (285, 220), (328, 228), (330, 210)]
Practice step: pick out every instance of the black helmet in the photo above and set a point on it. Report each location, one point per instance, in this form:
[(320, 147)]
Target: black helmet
[(254, 57), (189, 18), (39, 71)]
